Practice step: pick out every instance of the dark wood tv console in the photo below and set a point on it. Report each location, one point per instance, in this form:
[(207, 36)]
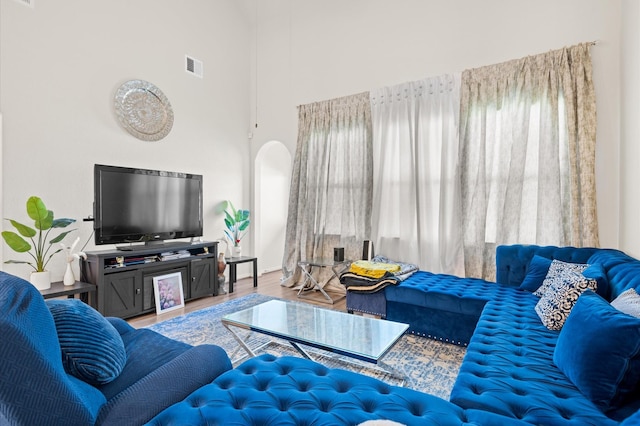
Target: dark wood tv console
[(124, 279)]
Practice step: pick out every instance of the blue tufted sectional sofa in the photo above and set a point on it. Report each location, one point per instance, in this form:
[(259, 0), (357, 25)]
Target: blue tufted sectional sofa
[(509, 368), (508, 376)]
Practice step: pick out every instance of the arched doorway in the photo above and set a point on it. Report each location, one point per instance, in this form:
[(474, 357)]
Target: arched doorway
[(272, 181)]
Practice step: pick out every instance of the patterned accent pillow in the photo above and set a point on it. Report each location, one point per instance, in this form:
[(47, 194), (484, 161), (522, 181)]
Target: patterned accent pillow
[(628, 302), (556, 303), (556, 271)]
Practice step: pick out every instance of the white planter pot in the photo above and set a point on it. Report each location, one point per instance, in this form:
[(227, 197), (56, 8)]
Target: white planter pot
[(236, 251), (41, 280)]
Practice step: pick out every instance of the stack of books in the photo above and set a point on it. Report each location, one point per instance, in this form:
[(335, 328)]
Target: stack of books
[(171, 255)]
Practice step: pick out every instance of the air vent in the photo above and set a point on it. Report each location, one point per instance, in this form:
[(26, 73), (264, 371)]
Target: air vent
[(29, 3), (193, 66)]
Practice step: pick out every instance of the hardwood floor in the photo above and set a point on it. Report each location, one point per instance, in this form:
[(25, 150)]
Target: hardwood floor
[(268, 284)]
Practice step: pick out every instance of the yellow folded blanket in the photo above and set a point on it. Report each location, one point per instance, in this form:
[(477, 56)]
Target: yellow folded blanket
[(366, 268)]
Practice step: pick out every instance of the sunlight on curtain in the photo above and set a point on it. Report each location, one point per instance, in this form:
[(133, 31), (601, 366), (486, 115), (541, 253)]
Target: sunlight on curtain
[(416, 203), (527, 163), (331, 185)]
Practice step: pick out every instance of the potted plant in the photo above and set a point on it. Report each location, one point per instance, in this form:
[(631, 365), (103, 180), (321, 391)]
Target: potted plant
[(237, 222), (44, 223)]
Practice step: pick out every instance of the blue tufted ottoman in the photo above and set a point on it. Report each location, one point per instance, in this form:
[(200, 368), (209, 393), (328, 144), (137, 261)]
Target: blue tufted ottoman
[(267, 390), (367, 303), (442, 307)]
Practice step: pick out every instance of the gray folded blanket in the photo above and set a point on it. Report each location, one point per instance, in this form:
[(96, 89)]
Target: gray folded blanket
[(361, 284)]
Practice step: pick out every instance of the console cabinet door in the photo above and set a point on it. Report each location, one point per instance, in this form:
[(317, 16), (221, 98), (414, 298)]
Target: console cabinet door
[(203, 273), (123, 294)]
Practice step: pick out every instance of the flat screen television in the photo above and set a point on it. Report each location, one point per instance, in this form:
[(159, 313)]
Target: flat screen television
[(139, 205)]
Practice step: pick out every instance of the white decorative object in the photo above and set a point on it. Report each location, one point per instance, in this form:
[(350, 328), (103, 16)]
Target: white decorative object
[(69, 277), (143, 110), (41, 280), (236, 251)]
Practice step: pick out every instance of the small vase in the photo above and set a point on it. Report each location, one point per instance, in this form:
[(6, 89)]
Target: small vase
[(236, 251), (69, 278), (222, 263), (41, 280)]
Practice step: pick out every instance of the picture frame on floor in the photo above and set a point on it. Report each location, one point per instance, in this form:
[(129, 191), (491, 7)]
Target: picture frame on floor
[(168, 293)]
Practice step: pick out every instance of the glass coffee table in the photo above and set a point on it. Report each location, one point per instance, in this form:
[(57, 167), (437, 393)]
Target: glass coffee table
[(303, 324)]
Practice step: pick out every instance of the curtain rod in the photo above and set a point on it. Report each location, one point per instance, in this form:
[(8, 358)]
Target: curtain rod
[(591, 43)]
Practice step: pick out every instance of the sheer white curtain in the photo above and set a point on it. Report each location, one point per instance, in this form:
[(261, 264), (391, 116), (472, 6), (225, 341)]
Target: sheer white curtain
[(331, 183), (528, 131), (416, 203)]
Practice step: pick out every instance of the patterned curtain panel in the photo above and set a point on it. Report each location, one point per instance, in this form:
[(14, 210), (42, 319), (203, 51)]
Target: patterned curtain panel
[(527, 155), (416, 203), (331, 184)]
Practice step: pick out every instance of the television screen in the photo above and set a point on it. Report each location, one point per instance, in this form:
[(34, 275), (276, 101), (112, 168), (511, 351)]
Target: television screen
[(139, 205)]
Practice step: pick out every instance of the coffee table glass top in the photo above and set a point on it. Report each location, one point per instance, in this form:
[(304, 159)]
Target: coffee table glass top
[(359, 337)]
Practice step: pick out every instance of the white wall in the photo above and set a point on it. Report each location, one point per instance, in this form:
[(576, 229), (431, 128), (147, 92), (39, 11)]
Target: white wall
[(61, 63), (311, 50), (630, 129)]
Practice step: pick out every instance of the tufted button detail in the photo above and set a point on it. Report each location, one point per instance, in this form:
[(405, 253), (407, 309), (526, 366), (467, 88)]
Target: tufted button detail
[(238, 403), (565, 414), (303, 386), (342, 387), (249, 371), (475, 390), (325, 406), (285, 370), (520, 392), (369, 406)]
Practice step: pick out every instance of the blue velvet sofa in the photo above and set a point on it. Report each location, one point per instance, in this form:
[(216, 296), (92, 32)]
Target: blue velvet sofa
[(128, 386), (509, 368)]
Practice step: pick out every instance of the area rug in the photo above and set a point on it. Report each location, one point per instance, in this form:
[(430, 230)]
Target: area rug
[(428, 365)]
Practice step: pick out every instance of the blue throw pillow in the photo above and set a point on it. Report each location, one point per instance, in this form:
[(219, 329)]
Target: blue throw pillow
[(596, 272), (598, 349), (92, 349), (536, 273)]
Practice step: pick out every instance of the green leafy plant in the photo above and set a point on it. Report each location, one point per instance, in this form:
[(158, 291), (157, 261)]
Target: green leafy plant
[(237, 222), (44, 223)]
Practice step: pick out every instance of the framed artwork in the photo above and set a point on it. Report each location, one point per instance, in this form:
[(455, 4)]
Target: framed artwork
[(167, 290)]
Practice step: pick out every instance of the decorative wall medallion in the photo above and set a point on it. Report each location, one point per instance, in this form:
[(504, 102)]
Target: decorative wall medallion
[(143, 110)]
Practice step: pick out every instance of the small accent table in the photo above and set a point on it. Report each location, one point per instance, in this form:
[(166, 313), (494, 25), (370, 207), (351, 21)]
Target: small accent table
[(310, 283), (233, 261), (83, 289)]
